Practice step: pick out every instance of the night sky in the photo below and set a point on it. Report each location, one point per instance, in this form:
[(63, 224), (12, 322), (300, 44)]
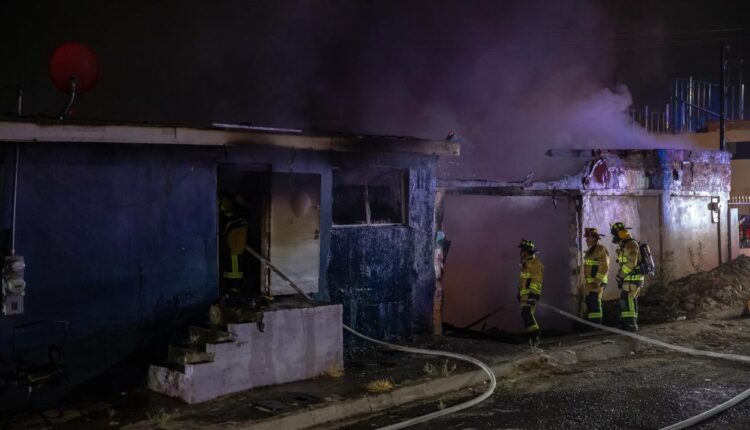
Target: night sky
[(502, 74)]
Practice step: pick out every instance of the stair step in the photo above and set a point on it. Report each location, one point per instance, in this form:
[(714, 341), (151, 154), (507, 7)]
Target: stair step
[(180, 355), (177, 367), (221, 315), (202, 335)]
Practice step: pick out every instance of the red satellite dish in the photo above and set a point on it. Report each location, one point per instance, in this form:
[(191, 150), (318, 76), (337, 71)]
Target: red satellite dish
[(73, 61)]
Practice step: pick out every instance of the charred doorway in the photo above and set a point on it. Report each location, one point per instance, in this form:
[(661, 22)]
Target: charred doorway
[(482, 268), (243, 198), (282, 215)]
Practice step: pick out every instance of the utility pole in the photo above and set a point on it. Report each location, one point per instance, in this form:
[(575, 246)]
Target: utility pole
[(722, 99)]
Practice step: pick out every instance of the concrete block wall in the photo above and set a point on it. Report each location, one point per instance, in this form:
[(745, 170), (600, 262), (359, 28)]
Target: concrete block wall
[(296, 344)]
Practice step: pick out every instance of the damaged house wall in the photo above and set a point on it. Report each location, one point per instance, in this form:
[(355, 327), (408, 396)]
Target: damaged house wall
[(383, 274), (120, 240), (483, 261), (666, 197)]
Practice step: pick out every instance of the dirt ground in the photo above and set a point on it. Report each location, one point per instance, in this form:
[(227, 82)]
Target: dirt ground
[(700, 294), (647, 389)]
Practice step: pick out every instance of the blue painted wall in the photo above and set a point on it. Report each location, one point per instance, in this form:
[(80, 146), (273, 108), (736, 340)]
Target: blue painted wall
[(384, 275), (120, 241)]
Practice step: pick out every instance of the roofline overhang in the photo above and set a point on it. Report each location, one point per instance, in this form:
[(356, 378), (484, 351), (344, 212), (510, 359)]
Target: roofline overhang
[(19, 131)]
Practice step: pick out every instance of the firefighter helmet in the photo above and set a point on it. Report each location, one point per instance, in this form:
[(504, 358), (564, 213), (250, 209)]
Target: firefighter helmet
[(592, 232), (528, 246), (619, 231)]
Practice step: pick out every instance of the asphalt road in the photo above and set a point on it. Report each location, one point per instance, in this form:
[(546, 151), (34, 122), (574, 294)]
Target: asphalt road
[(642, 392)]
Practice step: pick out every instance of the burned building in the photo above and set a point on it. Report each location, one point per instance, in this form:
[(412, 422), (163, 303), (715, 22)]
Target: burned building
[(674, 200), (117, 225)]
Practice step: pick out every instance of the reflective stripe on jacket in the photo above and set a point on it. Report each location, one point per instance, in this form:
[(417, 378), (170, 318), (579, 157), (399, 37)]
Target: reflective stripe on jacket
[(532, 272), (627, 255), (596, 264)]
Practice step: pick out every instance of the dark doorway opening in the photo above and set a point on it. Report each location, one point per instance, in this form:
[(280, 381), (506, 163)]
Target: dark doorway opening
[(248, 187)]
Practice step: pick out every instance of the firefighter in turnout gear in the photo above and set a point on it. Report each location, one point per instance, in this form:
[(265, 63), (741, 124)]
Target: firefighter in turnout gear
[(629, 278), (233, 240), (530, 289), (595, 267)]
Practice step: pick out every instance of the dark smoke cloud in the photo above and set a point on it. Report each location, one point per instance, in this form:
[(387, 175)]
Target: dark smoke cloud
[(511, 78)]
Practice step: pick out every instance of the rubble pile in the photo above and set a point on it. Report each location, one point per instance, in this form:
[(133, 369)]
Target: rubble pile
[(701, 294)]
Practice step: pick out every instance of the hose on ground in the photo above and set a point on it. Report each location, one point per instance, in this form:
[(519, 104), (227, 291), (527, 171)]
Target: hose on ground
[(417, 420), (696, 352), (449, 410)]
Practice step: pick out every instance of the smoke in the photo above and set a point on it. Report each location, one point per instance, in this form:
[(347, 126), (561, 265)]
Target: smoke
[(512, 79)]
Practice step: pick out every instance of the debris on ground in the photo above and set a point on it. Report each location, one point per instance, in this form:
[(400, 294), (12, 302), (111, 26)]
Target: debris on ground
[(700, 294), (380, 386)]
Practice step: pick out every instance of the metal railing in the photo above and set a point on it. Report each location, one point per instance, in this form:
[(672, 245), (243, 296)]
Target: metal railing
[(694, 103), (652, 121)]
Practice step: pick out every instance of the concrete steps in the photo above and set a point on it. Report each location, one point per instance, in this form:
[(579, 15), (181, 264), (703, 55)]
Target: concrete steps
[(181, 355), (282, 345), (203, 335)]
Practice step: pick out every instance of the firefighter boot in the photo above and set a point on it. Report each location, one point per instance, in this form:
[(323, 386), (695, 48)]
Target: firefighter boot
[(627, 311), (534, 339)]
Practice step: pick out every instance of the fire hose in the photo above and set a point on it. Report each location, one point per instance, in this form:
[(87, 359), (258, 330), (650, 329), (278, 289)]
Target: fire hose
[(493, 382), (690, 351), (412, 421)]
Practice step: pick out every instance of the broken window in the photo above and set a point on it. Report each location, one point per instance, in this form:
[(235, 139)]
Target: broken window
[(369, 196)]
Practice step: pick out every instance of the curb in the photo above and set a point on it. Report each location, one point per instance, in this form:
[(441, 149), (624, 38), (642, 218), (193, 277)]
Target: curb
[(368, 404), (375, 403)]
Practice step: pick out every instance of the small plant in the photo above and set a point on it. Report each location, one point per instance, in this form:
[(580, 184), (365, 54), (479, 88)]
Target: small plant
[(162, 419), (430, 369), (334, 371), (447, 369), (441, 405), (380, 386)]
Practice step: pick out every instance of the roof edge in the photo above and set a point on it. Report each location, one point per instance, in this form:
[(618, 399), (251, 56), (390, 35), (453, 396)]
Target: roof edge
[(21, 131)]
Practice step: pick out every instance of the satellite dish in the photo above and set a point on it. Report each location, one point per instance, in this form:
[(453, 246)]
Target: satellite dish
[(73, 69)]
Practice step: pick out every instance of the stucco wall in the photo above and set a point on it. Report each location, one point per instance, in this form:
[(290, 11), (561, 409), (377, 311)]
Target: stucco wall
[(641, 213), (691, 240), (665, 195)]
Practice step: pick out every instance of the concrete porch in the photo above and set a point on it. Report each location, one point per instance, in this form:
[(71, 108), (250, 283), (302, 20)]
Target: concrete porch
[(285, 343)]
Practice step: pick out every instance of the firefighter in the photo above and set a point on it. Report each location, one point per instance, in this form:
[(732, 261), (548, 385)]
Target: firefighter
[(233, 240), (595, 267), (629, 278), (530, 289)]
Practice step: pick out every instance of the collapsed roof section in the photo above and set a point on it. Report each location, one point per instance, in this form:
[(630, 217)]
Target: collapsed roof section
[(697, 172)]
